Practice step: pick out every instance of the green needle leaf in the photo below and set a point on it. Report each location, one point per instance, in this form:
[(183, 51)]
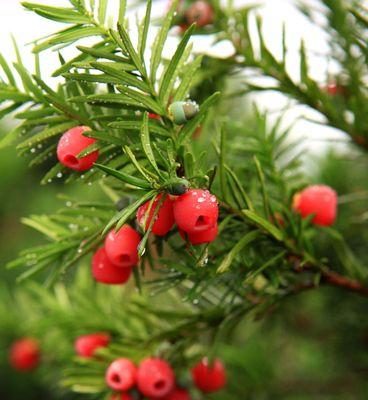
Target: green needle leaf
[(246, 240), (146, 144), (124, 177), (171, 71), (263, 223)]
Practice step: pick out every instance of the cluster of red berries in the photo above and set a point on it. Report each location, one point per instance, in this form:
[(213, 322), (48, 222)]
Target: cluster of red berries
[(195, 212), (319, 201), (154, 377)]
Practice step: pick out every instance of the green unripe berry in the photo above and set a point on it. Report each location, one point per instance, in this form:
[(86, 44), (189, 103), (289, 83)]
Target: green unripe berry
[(177, 186), (182, 111)]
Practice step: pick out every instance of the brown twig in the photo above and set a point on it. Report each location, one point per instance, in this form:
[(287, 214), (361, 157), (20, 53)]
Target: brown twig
[(335, 279), (328, 277)]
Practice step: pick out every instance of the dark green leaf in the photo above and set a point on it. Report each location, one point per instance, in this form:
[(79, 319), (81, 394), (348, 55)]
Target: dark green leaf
[(125, 177)]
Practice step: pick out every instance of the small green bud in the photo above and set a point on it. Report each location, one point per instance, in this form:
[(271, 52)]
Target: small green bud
[(182, 111), (177, 186), (122, 203)]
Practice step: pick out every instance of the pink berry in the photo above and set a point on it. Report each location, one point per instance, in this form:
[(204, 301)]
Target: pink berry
[(86, 345), (177, 394), (122, 246), (121, 396), (25, 354), (196, 211), (155, 378), (200, 12), (209, 378), (317, 200), (335, 89), (164, 218), (71, 144), (154, 116), (197, 238), (121, 375), (104, 271)]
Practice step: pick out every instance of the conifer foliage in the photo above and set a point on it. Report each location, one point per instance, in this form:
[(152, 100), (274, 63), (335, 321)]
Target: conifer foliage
[(211, 216)]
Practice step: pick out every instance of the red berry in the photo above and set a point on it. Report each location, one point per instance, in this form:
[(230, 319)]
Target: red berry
[(182, 28), (154, 116), (196, 211), (209, 378), (86, 345), (177, 394), (25, 354), (155, 378), (121, 374), (71, 144), (319, 200), (336, 89), (121, 396), (197, 238), (200, 12), (164, 218), (104, 271), (121, 247)]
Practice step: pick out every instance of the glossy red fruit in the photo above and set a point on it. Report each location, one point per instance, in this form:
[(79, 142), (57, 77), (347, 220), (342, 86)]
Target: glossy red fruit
[(153, 116), (200, 12), (320, 200), (104, 271), (164, 218), (122, 246), (335, 89), (176, 394), (196, 211), (25, 354), (155, 378), (71, 144), (121, 374), (209, 378), (121, 396), (86, 345), (202, 237)]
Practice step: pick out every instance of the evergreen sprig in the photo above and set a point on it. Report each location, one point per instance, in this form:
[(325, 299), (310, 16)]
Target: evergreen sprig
[(266, 252)]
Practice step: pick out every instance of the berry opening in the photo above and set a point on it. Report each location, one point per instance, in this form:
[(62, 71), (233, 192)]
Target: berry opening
[(202, 222), (116, 378), (124, 258), (160, 384), (71, 160)]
